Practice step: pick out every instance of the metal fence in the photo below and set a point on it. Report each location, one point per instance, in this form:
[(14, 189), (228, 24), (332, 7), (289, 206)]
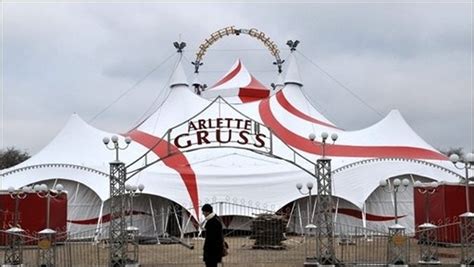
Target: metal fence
[(354, 245)]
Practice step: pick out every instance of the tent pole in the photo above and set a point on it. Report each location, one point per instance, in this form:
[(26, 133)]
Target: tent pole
[(154, 220), (186, 225), (164, 222), (291, 214), (364, 218), (177, 219), (300, 219), (314, 209), (77, 191), (99, 221)]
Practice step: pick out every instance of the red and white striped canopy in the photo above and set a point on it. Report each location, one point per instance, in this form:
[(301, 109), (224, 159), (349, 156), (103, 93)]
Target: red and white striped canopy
[(238, 86)]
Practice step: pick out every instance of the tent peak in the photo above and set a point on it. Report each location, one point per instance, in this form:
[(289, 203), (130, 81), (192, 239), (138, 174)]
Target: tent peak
[(293, 74), (178, 77)]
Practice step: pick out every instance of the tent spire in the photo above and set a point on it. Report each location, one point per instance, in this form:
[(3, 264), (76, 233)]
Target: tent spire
[(293, 74), (179, 78)]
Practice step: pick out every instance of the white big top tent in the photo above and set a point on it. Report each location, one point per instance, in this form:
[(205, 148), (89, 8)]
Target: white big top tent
[(240, 182)]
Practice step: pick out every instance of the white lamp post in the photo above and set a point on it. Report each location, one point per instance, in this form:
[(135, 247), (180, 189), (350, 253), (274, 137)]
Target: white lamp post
[(14, 251), (117, 231), (47, 236), (467, 218), (133, 231), (427, 230), (309, 205), (397, 245)]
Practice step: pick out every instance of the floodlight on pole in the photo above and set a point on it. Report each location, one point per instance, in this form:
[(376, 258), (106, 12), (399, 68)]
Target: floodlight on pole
[(47, 236), (325, 250), (118, 177), (309, 206), (397, 249), (14, 250), (131, 191), (427, 230), (466, 163), (397, 186)]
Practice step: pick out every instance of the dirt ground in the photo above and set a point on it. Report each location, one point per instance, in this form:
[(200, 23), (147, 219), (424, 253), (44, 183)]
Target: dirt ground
[(241, 253)]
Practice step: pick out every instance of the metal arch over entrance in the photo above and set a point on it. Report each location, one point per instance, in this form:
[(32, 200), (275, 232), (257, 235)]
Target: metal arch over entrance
[(231, 30), (237, 131)]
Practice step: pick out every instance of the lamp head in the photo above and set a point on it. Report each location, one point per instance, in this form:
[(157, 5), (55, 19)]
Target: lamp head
[(454, 158), (128, 187), (309, 185), (299, 186), (43, 188), (37, 188), (405, 182), (141, 187), (27, 189), (134, 188), (128, 140), (324, 136), (434, 184), (59, 188), (11, 190), (312, 136), (383, 183), (397, 182), (334, 137), (106, 140), (114, 139), (418, 184)]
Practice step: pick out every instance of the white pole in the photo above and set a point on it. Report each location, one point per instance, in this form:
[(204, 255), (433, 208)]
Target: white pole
[(154, 220), (99, 221), (300, 219), (291, 214)]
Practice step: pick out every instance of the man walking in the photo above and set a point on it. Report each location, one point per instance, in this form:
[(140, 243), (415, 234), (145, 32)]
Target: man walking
[(214, 242)]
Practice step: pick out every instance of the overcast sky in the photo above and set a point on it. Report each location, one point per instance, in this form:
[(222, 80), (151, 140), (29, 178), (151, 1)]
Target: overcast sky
[(80, 57)]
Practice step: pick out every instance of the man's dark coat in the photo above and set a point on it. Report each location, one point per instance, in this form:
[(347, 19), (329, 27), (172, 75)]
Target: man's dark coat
[(214, 243)]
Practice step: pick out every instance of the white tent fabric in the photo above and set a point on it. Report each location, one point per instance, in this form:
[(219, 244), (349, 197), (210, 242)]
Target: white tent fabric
[(389, 148)]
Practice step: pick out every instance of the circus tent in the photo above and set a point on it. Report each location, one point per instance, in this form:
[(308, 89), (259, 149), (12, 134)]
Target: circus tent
[(235, 174)]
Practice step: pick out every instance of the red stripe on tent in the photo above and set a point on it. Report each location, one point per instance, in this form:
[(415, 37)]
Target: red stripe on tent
[(255, 84), (177, 162), (228, 76), (368, 216), (105, 218), (306, 145), (249, 95), (253, 91), (283, 101)]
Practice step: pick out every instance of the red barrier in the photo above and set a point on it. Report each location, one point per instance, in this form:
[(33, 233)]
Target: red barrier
[(446, 204), (32, 212)]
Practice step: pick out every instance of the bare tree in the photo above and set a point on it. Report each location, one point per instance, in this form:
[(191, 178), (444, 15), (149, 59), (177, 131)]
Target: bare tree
[(12, 156)]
